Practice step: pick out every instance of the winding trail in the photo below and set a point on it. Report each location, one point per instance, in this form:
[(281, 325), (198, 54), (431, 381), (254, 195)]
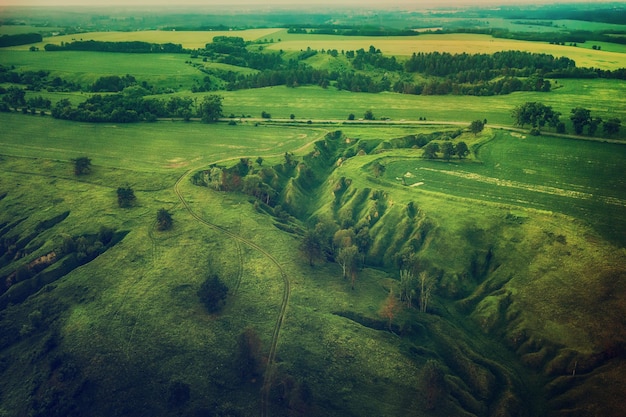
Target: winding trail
[(286, 289)]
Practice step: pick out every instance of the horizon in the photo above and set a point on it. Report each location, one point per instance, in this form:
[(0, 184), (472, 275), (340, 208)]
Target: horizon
[(290, 4)]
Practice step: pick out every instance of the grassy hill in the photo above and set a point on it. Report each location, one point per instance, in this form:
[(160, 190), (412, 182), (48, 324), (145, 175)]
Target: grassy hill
[(491, 285)]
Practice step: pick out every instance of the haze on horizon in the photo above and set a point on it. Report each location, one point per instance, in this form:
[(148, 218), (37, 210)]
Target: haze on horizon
[(288, 3)]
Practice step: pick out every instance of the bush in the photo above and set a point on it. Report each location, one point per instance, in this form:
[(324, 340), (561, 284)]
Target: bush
[(212, 293), (164, 219), (125, 196)]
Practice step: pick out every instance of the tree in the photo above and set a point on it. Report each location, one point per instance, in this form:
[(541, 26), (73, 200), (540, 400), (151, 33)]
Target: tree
[(212, 293), (351, 116), (426, 284), (164, 219), (461, 150), (266, 115), (433, 384), (249, 361), (15, 97), (347, 258), (447, 148), (82, 165), (125, 196), (312, 245), (210, 109), (612, 126), (593, 125), (477, 126), (430, 150), (378, 169), (407, 287), (580, 118), (259, 161), (369, 115), (389, 308)]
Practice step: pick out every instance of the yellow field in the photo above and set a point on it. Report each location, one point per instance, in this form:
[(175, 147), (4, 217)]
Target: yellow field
[(190, 40), (453, 43), (398, 46)]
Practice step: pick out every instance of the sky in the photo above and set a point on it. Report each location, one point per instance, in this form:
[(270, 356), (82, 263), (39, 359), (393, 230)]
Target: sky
[(295, 3)]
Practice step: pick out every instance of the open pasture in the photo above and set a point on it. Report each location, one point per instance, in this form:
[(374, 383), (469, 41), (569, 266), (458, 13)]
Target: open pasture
[(584, 181), (162, 146), (161, 70), (605, 98), (452, 43)]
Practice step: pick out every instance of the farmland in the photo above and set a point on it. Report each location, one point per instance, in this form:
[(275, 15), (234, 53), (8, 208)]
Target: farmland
[(365, 274)]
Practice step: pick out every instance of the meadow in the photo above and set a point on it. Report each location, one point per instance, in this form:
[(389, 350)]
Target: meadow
[(527, 171)]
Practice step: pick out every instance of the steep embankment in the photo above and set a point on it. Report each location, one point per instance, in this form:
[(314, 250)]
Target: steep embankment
[(528, 312)]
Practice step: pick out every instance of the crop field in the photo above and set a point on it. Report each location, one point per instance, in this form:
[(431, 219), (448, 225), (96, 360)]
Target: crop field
[(188, 39), (453, 43)]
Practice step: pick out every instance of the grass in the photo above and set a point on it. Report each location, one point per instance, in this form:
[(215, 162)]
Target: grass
[(161, 70), (601, 96), (161, 147), (130, 320), (528, 172)]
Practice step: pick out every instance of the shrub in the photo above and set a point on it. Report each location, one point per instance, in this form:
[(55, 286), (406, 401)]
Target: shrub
[(212, 293), (164, 220)]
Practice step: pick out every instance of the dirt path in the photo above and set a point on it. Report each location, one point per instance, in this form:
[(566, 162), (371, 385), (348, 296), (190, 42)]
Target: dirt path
[(286, 289)]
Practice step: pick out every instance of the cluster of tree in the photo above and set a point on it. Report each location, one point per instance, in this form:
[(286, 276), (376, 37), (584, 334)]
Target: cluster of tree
[(538, 115), (447, 149), (15, 98), (113, 83), (360, 83), (20, 39), (347, 246), (232, 50), (556, 37), (471, 68), (582, 118), (131, 106), (291, 77), (501, 86), (374, 58), (125, 47), (36, 80), (362, 31), (87, 247)]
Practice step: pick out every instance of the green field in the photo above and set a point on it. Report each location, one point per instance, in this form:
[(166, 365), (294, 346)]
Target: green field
[(527, 171), (604, 97), (521, 243), (157, 147)]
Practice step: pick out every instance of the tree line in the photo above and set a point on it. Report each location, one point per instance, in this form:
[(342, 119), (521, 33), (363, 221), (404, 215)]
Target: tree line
[(136, 47), (130, 106), (20, 39), (36, 80), (539, 115)]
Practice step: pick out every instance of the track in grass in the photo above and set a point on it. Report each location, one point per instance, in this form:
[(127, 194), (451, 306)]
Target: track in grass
[(286, 289)]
